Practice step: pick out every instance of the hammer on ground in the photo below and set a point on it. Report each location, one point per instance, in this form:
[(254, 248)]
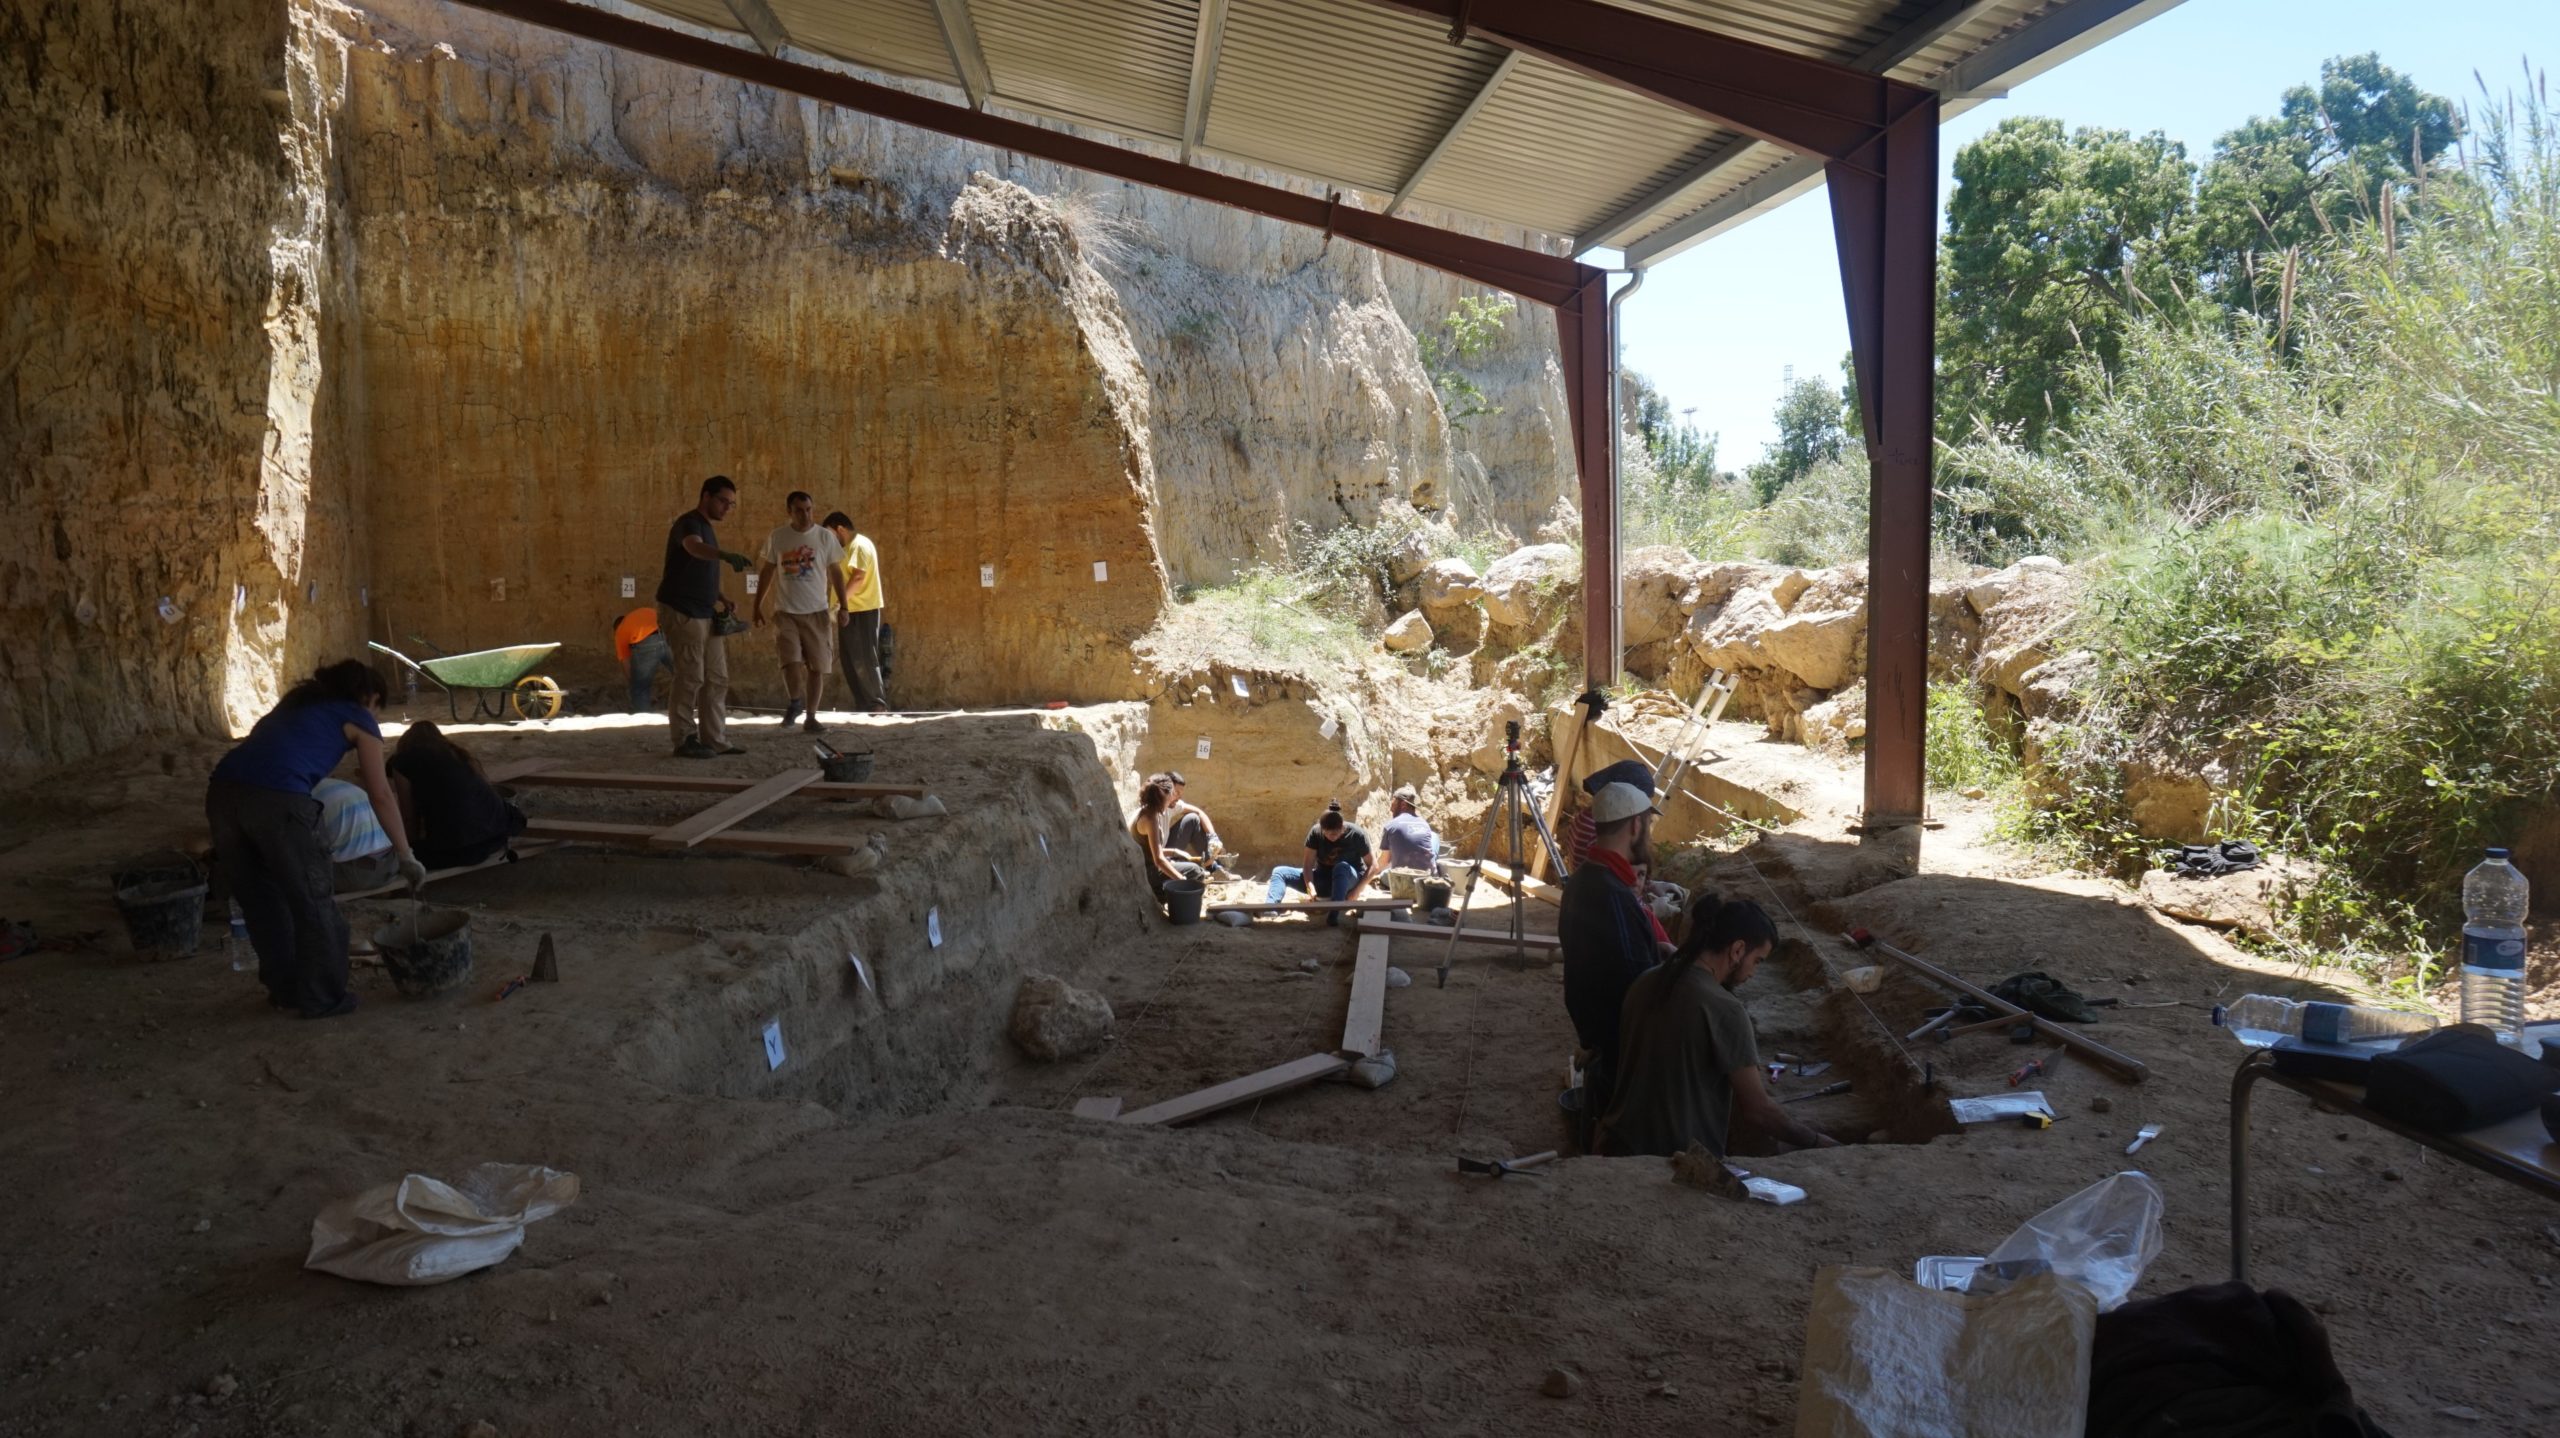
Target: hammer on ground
[(1502, 1167)]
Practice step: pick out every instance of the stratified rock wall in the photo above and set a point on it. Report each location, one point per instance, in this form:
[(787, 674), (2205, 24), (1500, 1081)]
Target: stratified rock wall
[(167, 425)]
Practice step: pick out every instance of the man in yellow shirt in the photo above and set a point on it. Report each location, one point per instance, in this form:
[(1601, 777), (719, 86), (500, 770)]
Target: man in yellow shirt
[(858, 640)]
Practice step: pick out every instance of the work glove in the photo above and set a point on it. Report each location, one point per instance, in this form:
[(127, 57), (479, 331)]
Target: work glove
[(413, 874), (735, 560)]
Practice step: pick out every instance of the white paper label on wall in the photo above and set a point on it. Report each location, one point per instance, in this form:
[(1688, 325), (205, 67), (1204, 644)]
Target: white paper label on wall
[(1328, 728), (773, 1043), (168, 610), (498, 591), (239, 597), (1243, 690), (751, 583), (986, 576), (933, 927), (630, 587), (861, 971), (1201, 752), (1101, 572)]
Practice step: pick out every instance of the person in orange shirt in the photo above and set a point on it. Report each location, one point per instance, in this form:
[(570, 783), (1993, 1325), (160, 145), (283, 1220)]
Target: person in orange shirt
[(643, 652)]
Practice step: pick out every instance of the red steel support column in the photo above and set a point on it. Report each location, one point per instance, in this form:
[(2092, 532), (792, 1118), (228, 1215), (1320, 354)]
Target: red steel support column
[(1884, 212), (1582, 327)]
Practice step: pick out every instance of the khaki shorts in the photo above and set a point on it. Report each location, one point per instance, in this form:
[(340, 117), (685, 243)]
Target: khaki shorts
[(808, 639)]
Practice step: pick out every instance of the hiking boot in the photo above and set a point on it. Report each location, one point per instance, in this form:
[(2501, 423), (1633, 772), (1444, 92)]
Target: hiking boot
[(695, 749), (790, 711)]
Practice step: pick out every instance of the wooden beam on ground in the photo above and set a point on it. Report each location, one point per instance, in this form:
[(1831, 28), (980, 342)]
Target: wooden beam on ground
[(1297, 1073), (738, 807), (596, 831), (523, 851), (1395, 928), (1367, 1019), (1312, 906), (697, 784), (2123, 1065), (514, 771), (1099, 1106), (1538, 889)]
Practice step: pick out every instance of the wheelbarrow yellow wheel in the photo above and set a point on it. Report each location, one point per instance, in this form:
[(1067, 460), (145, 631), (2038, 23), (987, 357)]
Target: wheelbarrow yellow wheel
[(537, 698)]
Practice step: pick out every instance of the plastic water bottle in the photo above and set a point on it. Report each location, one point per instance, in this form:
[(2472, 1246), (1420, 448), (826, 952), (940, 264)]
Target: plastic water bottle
[(2493, 908), (235, 946), (2258, 1021)]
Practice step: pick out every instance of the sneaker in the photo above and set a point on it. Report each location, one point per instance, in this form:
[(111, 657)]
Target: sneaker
[(725, 750), (695, 749), (790, 712), (813, 726)]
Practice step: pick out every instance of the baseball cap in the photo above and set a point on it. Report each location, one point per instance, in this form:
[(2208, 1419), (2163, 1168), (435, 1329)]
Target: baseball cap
[(1407, 793), (1633, 772), (1620, 801)]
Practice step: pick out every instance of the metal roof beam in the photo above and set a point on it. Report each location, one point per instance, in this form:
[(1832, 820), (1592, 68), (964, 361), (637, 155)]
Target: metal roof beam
[(2021, 55), (1206, 40), (1941, 21), (968, 59), (1449, 137), (758, 20)]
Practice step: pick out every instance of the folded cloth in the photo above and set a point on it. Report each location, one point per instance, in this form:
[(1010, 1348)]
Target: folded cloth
[(2211, 861), (2045, 996), (2223, 1361), (2455, 1080)]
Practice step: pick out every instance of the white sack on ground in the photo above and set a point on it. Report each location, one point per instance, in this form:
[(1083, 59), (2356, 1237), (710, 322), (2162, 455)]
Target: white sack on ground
[(423, 1230)]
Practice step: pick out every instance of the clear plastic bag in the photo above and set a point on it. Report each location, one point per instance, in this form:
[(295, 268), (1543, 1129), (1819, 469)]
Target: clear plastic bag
[(2102, 1237), (423, 1230)]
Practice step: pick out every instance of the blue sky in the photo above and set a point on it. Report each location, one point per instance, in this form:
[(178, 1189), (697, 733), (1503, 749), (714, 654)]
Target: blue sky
[(1716, 327)]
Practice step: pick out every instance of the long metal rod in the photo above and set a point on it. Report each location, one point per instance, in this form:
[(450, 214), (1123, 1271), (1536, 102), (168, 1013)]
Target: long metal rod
[(1614, 662)]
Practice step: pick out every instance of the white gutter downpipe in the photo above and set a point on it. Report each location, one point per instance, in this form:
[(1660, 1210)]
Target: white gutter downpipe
[(1618, 478)]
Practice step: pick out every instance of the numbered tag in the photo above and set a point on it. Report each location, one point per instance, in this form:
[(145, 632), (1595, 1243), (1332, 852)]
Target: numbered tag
[(986, 576), (751, 583), (1101, 572), (630, 587), (933, 927), (1202, 752), (497, 591), (1328, 728), (168, 610), (1243, 690), (772, 1044)]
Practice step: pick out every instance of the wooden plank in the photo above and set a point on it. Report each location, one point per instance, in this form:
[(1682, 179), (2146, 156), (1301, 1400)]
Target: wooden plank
[(1367, 1019), (517, 771), (1538, 889), (2124, 1065), (1293, 1074), (1312, 906), (596, 831), (730, 811), (1547, 943), (523, 851), (1099, 1106), (705, 784)]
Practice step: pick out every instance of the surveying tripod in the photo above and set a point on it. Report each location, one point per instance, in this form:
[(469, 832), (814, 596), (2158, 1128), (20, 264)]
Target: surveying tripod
[(1511, 803)]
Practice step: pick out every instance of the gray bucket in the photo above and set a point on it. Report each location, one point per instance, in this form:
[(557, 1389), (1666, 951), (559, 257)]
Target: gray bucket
[(165, 916), (1183, 899), (434, 958)]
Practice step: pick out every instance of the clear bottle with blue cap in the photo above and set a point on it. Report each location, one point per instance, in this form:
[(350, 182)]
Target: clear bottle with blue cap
[(2494, 899)]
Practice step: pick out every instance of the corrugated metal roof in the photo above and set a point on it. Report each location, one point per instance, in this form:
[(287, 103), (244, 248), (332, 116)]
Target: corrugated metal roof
[(1353, 93)]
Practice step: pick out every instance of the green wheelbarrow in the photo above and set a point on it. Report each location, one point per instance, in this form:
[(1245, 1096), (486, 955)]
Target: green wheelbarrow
[(501, 682)]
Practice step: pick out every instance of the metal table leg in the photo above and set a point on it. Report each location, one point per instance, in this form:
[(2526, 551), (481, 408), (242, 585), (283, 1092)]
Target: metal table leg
[(2243, 1085)]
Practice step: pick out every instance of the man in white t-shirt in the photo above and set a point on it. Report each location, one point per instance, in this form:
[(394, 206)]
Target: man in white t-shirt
[(803, 567)]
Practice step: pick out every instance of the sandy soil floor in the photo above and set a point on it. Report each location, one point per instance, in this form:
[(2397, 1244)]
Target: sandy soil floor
[(904, 1230)]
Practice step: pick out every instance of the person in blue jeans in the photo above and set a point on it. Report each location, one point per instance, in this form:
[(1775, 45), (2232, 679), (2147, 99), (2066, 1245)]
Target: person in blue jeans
[(1338, 862)]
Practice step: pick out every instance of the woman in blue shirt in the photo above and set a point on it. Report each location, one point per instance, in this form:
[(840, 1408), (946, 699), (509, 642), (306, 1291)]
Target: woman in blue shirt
[(267, 836)]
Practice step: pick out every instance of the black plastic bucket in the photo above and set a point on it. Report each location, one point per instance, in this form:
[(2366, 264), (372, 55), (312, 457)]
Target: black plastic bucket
[(847, 768), (435, 958), (165, 916), (1183, 899)]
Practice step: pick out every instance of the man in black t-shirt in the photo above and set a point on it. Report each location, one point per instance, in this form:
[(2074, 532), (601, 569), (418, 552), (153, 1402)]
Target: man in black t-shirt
[(689, 605), (1338, 862)]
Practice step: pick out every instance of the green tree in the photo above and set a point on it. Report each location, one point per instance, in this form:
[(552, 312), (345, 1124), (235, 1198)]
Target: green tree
[(1682, 453), (2056, 242), (1467, 334), (1809, 433), (2327, 158)]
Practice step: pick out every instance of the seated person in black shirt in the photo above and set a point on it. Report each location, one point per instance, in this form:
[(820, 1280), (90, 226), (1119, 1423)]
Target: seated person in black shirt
[(1338, 861), (455, 816)]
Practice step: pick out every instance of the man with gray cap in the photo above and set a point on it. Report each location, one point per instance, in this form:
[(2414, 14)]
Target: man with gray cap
[(1409, 840), (1605, 933)]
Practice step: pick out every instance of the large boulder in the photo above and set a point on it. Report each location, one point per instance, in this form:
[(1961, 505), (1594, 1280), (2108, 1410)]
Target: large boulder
[(2025, 609), (2252, 901), (2048, 688), (1409, 633), (1446, 584), (1837, 722), (1658, 591), (1458, 629), (1053, 1019), (2166, 802), (1526, 589)]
